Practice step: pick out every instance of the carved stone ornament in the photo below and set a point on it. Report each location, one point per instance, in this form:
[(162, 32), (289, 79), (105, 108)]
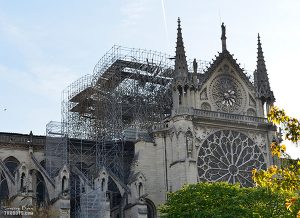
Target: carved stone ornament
[(205, 106), (189, 142), (251, 112), (203, 94), (252, 101), (227, 94), (229, 156), (260, 140), (201, 133)]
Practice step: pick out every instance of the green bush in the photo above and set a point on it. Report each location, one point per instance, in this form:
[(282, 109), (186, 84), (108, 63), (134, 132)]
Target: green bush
[(212, 200)]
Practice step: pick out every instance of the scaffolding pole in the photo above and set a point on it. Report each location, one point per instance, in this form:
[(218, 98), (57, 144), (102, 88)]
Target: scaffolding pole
[(104, 114)]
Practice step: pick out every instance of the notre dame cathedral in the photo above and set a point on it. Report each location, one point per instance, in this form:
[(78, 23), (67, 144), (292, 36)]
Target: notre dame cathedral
[(144, 124)]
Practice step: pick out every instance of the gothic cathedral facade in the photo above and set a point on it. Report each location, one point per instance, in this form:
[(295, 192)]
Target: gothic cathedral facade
[(217, 131)]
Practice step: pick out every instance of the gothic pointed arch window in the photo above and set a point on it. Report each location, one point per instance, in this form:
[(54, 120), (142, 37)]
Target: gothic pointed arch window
[(180, 94), (12, 164), (102, 184), (63, 184), (205, 106), (4, 193), (41, 190), (22, 182), (140, 189), (151, 209)]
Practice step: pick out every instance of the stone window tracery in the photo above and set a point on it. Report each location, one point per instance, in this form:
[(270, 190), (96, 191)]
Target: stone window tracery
[(4, 194), (22, 185), (205, 106), (229, 156), (12, 164), (251, 112), (227, 94), (140, 189)]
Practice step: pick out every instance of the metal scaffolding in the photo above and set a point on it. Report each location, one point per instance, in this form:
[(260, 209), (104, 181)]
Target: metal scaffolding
[(129, 89), (105, 113), (56, 148)]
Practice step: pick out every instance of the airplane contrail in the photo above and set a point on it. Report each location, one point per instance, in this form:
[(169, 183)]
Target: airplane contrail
[(165, 21)]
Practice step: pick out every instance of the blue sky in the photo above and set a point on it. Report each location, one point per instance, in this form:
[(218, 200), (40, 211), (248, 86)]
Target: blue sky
[(46, 45)]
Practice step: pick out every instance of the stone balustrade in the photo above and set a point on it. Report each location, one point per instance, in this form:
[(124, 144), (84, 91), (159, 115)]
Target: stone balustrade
[(228, 116), (212, 115), (15, 138)]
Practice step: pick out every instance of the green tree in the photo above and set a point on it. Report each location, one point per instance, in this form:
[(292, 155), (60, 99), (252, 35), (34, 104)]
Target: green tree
[(286, 176), (209, 200), (277, 191)]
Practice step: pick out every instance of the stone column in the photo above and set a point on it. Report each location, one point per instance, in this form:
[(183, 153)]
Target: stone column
[(188, 93), (175, 98), (192, 98)]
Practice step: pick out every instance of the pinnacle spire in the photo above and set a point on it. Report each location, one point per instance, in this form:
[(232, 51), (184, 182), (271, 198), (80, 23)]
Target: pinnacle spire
[(223, 37), (181, 68), (261, 78), (260, 55)]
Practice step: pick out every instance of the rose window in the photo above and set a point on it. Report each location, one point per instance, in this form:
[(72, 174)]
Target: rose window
[(226, 93), (229, 156)]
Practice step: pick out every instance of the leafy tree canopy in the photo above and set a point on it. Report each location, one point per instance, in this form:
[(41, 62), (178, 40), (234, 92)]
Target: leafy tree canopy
[(277, 191), (209, 200), (285, 176)]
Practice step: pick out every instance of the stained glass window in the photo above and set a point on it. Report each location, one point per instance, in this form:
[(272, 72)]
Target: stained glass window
[(229, 156)]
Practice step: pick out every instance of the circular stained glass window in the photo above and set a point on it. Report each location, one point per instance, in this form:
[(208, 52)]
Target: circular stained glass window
[(229, 156), (227, 94)]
